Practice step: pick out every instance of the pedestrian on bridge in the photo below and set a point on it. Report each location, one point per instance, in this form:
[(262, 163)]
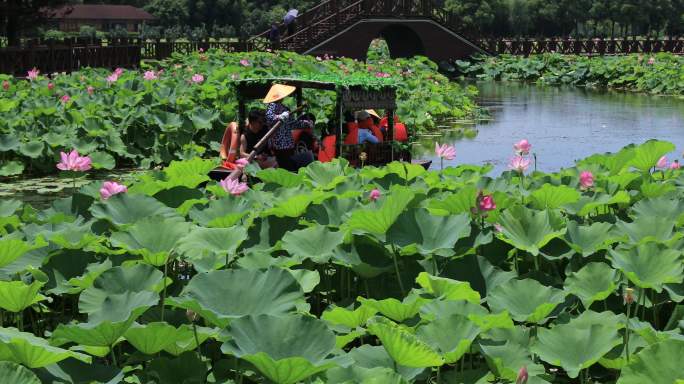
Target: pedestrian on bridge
[(290, 20)]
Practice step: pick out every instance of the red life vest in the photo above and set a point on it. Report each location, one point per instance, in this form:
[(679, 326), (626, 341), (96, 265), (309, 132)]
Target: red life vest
[(368, 124), (327, 151), (352, 133)]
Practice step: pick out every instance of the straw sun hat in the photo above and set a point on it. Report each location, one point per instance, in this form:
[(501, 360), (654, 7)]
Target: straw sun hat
[(278, 92), (373, 113)]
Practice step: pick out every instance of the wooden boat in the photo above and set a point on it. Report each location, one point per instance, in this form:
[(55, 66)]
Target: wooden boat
[(349, 97)]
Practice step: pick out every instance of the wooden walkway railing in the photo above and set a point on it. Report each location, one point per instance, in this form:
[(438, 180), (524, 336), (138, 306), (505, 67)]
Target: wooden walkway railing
[(589, 47)]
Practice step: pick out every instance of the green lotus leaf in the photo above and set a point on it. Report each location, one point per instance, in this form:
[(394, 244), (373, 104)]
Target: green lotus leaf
[(266, 232), (102, 160), (379, 221), (648, 228), (78, 283), (589, 204), (667, 209), (528, 229), (660, 363), (438, 309), (493, 276), (406, 171), (187, 368), (308, 280), (649, 265), (184, 339), (8, 143), (553, 196), (447, 289), (341, 341), (594, 282), (418, 231), (203, 118), (223, 213), (652, 190), (356, 374), (333, 211), (285, 349), (506, 360), (151, 338), (526, 300), (461, 201), (207, 248), (120, 292), (293, 206), (588, 239), (347, 317), (11, 249), (102, 334), (188, 173), (15, 296), (393, 308), (17, 374), (326, 175), (31, 351), (368, 356), (154, 238), (11, 168), (220, 296), (126, 208), (573, 347), (32, 149), (78, 372), (316, 243), (280, 177), (451, 336), (646, 155), (404, 347)]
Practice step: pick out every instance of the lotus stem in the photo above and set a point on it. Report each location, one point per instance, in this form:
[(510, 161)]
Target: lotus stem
[(642, 296), (396, 270), (111, 352), (166, 271), (194, 331), (434, 265), (626, 337)]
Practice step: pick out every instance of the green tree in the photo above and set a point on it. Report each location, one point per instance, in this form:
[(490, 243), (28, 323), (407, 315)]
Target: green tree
[(19, 15)]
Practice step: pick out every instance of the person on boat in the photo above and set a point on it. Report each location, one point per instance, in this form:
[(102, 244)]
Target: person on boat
[(328, 148), (351, 129), (256, 130), (375, 124), (400, 132), (282, 142), (365, 123), (229, 146)]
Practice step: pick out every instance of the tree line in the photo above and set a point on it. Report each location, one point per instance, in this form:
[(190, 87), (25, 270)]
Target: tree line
[(482, 18), (564, 18)]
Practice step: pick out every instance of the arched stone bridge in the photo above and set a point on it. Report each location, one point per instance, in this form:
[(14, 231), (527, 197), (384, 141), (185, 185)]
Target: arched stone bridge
[(347, 27)]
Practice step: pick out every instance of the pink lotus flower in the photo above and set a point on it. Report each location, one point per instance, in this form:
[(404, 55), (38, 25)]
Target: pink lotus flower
[(73, 162), (522, 376), (65, 99), (150, 75), (111, 188), (241, 163), (651, 61), (244, 62), (5, 85), (522, 147), (374, 195), (90, 90), (318, 58), (662, 163), (33, 74), (486, 203), (201, 49), (118, 71), (112, 78), (51, 86), (233, 186), (445, 151), (382, 74), (586, 180), (675, 165), (519, 164), (197, 78), (498, 228)]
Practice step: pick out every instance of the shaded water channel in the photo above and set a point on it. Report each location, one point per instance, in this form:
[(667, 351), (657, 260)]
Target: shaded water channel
[(563, 124)]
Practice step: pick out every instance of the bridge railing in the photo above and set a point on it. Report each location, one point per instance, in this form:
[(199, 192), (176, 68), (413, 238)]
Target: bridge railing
[(590, 47)]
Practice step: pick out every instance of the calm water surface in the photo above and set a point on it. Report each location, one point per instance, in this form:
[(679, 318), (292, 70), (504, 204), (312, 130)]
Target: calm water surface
[(563, 124)]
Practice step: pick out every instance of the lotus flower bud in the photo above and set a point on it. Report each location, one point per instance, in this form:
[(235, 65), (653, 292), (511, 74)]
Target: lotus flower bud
[(522, 376), (192, 316), (363, 156), (629, 296)]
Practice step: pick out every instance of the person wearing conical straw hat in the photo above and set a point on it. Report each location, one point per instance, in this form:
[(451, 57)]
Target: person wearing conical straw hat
[(282, 142)]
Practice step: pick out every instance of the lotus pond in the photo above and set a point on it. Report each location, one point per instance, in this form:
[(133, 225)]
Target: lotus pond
[(338, 275)]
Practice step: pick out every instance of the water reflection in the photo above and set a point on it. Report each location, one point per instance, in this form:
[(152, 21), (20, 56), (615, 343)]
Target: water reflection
[(563, 124)]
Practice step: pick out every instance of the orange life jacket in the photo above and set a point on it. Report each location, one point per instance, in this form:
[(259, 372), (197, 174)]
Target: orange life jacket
[(229, 145), (352, 133), (328, 150)]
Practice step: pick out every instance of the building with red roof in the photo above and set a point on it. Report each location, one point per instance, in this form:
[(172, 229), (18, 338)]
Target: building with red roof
[(103, 17)]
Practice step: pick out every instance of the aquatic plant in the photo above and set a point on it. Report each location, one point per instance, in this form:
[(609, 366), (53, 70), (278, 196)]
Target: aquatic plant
[(301, 279)]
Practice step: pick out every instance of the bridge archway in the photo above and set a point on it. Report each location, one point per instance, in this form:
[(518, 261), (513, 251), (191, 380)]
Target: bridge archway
[(402, 41)]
